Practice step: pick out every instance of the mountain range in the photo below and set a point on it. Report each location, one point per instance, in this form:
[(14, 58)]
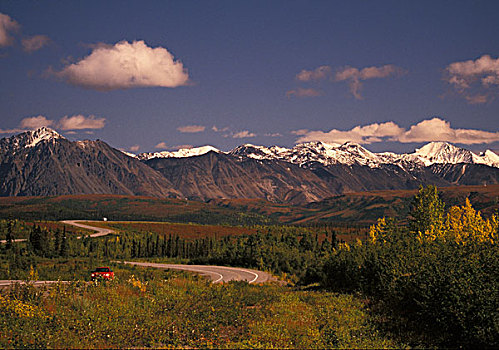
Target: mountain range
[(42, 162)]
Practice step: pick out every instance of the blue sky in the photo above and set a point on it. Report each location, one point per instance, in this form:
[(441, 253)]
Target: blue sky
[(154, 75)]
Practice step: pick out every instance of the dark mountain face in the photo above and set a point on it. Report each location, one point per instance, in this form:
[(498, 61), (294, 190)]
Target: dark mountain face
[(216, 175), (42, 162), (466, 174), (58, 166)]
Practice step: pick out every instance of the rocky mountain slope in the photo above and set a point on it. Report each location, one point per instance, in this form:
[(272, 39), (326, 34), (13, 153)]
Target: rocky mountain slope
[(42, 162)]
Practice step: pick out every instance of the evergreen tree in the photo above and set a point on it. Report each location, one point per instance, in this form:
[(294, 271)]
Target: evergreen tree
[(63, 249)]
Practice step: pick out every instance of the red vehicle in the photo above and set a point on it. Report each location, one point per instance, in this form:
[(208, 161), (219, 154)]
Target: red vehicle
[(104, 273)]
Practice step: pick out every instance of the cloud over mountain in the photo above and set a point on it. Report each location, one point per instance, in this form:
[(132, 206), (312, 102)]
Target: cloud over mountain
[(80, 122), (434, 129), (35, 122), (125, 65)]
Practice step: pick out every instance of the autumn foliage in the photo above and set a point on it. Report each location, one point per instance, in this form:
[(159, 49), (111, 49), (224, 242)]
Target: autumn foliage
[(435, 279)]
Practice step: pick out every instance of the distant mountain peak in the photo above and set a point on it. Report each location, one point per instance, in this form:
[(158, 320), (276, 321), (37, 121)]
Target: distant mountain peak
[(41, 134), (181, 153)]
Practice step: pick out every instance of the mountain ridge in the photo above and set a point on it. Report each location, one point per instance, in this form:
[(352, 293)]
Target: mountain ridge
[(43, 162), (349, 153)]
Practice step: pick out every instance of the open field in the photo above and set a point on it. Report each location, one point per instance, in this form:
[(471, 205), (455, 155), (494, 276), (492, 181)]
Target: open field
[(362, 208)]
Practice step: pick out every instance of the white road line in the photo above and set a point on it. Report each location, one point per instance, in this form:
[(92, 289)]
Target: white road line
[(238, 269)]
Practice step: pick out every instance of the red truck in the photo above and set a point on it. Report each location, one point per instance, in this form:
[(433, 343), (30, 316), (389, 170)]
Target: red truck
[(104, 273)]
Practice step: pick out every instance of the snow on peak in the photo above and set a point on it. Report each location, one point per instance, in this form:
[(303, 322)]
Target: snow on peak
[(41, 134), (181, 153), (29, 139), (443, 152), (351, 153)]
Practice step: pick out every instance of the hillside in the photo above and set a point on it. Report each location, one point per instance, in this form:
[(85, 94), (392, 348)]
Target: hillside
[(362, 208)]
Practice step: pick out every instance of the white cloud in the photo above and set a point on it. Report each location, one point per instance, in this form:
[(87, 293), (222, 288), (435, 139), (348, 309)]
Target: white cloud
[(437, 129), (35, 43), (134, 148), (359, 134), (468, 76), (354, 76), (243, 134), (300, 92), (126, 65), (434, 129), (215, 129), (161, 145), (79, 122), (191, 128), (273, 134), (35, 122), (7, 26), (320, 73)]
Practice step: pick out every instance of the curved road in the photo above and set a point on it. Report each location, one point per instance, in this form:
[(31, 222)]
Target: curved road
[(78, 223), (100, 230), (217, 274)]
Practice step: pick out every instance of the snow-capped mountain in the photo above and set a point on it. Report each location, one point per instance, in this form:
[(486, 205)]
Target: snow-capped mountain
[(42, 162), (28, 139), (351, 153), (181, 153)]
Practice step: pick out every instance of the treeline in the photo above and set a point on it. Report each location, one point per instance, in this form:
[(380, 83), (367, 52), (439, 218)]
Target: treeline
[(435, 278), (298, 252)]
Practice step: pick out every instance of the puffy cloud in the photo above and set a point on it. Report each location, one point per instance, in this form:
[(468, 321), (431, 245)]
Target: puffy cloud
[(35, 43), (191, 128), (359, 134), (125, 65), (243, 134), (320, 73), (7, 26), (35, 122), (434, 129), (466, 76), (134, 148), (79, 122), (300, 92), (355, 76), (273, 134), (437, 129)]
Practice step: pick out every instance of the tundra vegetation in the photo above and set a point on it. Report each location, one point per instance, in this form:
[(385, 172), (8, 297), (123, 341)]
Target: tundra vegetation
[(430, 279)]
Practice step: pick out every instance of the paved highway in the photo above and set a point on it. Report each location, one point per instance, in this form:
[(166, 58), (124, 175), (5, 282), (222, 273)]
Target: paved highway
[(78, 223), (217, 274), (100, 230)]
